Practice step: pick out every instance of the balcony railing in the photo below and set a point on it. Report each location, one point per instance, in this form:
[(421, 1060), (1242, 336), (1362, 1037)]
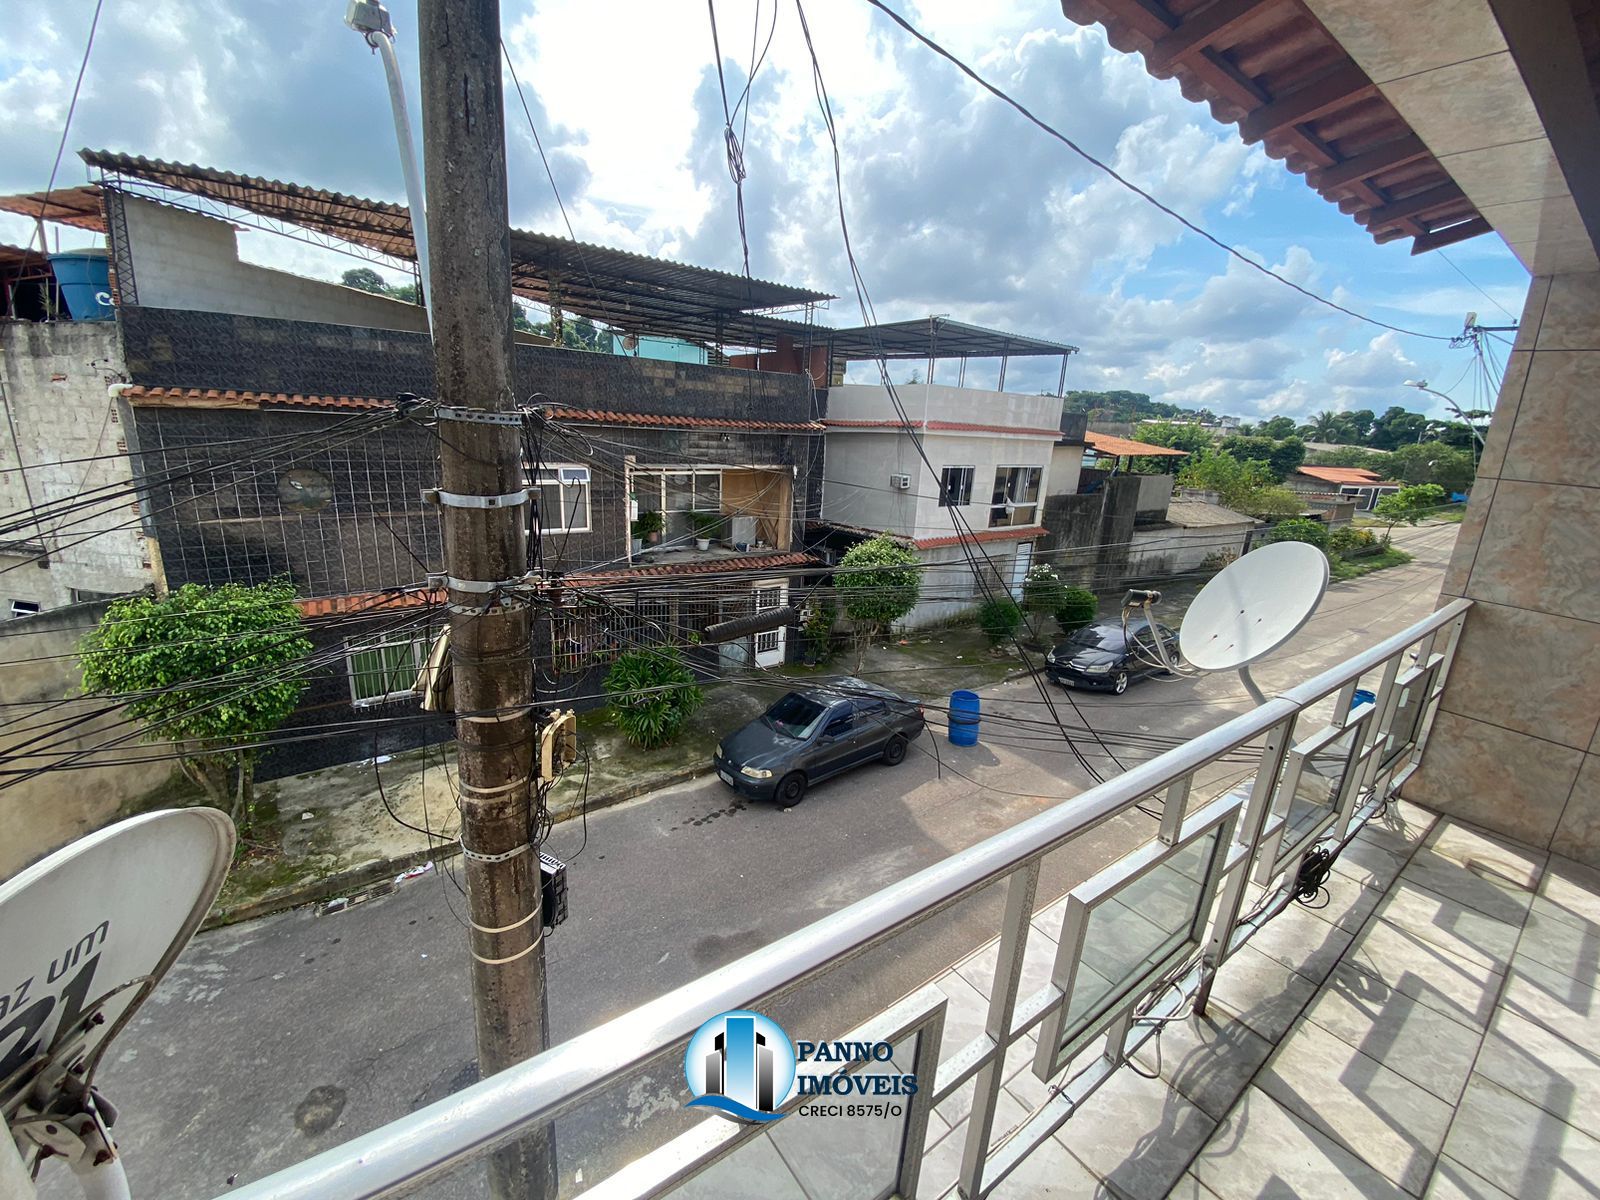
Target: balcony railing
[(1140, 941)]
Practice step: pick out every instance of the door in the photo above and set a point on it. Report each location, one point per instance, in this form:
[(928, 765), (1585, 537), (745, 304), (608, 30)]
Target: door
[(1019, 568), (769, 645), (835, 746)]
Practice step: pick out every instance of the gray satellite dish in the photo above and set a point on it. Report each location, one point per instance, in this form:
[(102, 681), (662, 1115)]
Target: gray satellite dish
[(85, 936), (1254, 605)]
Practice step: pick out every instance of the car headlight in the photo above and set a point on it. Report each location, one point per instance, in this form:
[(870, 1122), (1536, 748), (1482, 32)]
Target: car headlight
[(717, 753), (1096, 669), (1050, 658), (755, 772)]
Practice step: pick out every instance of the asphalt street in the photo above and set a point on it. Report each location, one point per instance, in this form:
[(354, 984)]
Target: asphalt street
[(278, 1038)]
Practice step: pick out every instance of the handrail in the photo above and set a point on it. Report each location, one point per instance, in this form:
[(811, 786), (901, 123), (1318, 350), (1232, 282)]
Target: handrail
[(434, 1139)]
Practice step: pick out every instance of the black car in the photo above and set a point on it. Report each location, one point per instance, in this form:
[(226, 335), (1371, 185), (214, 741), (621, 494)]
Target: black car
[(1098, 656), (814, 733)]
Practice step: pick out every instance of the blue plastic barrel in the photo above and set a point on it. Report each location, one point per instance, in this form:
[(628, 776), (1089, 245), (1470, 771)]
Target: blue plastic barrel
[(1362, 696), (85, 277), (964, 710)]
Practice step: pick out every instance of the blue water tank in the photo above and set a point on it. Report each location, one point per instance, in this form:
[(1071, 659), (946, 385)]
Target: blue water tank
[(964, 716), (85, 280)]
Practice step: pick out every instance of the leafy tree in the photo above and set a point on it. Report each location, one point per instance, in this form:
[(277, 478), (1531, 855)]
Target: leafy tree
[(365, 279), (1176, 435), (816, 628), (1433, 462), (210, 669), (999, 617), (1351, 456), (1041, 596), (1246, 486), (1397, 427), (1359, 422), (653, 695), (1077, 608), (1301, 529), (1328, 426), (1286, 456), (1278, 428), (1408, 506), (1279, 457), (877, 583)]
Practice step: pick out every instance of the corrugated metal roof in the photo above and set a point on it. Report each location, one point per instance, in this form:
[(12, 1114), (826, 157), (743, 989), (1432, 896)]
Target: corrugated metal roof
[(79, 206), (1271, 67)]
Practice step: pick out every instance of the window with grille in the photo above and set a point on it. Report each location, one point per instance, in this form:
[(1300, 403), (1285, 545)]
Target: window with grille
[(676, 494), (563, 494), (1016, 496), (385, 667), (955, 487)]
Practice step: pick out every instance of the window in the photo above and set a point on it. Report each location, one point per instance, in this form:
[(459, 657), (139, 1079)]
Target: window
[(1016, 496), (24, 608), (766, 599), (563, 495), (838, 727), (955, 487), (676, 494), (385, 667)]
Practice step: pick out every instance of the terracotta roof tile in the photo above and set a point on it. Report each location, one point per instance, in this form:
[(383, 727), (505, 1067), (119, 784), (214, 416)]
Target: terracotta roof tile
[(596, 416), (237, 398), (1016, 533), (715, 566), (329, 606), (1341, 474), (1118, 447)]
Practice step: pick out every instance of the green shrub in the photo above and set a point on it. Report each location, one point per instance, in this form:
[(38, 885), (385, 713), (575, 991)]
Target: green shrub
[(1350, 540), (1301, 529), (653, 695), (817, 629), (1076, 609), (999, 619), (877, 583), (1042, 589)]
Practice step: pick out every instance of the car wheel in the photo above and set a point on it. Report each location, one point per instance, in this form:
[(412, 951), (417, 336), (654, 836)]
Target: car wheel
[(1120, 683), (895, 752), (792, 789)]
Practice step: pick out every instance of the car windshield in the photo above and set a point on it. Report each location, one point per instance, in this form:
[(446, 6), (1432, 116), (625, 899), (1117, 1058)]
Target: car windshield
[(1100, 637), (795, 716)]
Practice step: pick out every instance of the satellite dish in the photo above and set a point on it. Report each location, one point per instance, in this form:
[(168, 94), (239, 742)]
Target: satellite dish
[(85, 936), (1254, 605)]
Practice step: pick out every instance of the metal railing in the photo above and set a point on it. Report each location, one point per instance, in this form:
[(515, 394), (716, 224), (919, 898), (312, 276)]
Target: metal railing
[(1357, 752)]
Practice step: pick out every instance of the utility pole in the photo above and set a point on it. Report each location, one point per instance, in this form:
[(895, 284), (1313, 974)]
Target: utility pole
[(482, 491)]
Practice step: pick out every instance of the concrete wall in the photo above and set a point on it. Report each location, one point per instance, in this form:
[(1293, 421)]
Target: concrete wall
[(1154, 493), (55, 378), (181, 259), (940, 402), (1172, 550), (1516, 746), (37, 672), (949, 583), (1090, 536), (1066, 464)]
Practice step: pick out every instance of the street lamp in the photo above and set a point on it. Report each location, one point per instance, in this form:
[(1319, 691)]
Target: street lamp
[(1477, 438)]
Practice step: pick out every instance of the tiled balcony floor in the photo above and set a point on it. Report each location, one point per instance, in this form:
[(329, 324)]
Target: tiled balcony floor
[(1433, 1030)]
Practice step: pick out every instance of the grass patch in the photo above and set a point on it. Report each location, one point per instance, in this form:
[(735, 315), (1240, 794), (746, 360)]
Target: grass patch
[(1451, 513), (1353, 568)]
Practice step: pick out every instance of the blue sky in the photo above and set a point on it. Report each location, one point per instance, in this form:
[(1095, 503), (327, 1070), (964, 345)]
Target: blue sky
[(956, 205)]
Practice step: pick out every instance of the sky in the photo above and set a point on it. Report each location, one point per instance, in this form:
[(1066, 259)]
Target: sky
[(955, 204)]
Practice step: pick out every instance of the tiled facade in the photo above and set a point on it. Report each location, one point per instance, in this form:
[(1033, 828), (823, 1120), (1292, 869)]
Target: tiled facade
[(1516, 741)]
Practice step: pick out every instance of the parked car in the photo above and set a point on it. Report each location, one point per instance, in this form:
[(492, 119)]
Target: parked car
[(814, 733), (1099, 657)]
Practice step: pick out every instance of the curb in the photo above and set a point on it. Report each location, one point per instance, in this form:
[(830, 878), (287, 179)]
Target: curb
[(353, 879)]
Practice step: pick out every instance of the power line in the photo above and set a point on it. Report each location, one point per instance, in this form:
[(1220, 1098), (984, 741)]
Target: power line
[(1131, 186), (1474, 283)]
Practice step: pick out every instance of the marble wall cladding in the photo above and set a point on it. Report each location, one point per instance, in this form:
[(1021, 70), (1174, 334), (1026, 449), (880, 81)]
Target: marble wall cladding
[(1572, 315), (1555, 436), (1505, 781), (1532, 313), (1431, 102), (1578, 831), (1505, 413), (1390, 42), (1539, 550), (1466, 547)]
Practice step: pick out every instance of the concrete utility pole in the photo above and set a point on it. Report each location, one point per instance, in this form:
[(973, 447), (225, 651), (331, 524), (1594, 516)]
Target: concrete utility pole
[(482, 490)]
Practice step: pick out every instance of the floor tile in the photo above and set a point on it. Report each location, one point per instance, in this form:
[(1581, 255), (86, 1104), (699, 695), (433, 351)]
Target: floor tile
[(1490, 894), (1396, 1126), (1431, 1049), (1519, 1147), (1571, 889), (1452, 1181), (1210, 1061), (1302, 943), (1487, 854), (1371, 864), (1261, 992), (1038, 961), (1457, 988), (754, 1169), (838, 1158), (1346, 902), (1568, 1006), (1264, 1150), (1137, 1134), (1008, 1114), (1051, 1171), (1526, 1058), (1570, 949), (1458, 928), (1190, 1188)]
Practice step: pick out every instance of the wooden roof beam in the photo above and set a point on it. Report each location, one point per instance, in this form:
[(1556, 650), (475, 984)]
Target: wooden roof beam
[(1449, 236), (1337, 88), (1412, 206), (1211, 26), (1364, 166)]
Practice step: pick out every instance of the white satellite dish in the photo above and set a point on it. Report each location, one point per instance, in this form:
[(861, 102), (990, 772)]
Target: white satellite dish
[(1254, 605), (85, 936)]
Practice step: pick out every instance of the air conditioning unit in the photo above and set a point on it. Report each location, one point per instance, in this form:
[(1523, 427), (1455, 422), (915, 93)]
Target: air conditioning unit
[(900, 483)]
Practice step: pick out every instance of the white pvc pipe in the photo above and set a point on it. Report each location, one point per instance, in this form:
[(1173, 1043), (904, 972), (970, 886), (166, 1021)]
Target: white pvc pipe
[(408, 163)]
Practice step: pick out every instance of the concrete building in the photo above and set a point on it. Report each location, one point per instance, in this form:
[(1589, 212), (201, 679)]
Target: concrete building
[(1196, 532), (1326, 486)]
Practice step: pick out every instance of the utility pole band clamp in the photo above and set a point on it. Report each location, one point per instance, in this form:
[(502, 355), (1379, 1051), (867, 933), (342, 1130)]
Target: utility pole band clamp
[(479, 793), (477, 416), (462, 500), (478, 585), (493, 858)]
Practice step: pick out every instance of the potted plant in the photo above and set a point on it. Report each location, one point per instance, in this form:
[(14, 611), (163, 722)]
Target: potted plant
[(706, 526), (647, 527)]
